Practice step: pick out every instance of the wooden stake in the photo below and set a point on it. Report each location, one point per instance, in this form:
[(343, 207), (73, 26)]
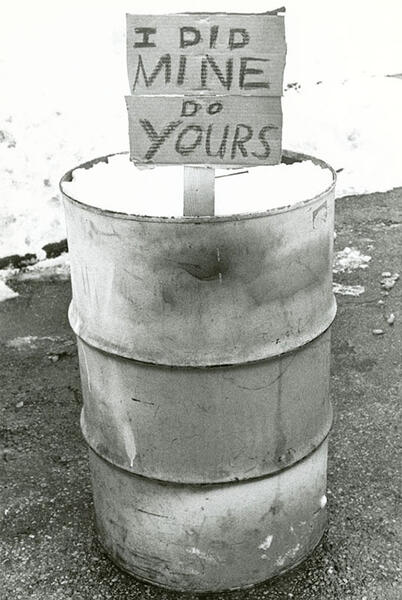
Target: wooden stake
[(199, 192)]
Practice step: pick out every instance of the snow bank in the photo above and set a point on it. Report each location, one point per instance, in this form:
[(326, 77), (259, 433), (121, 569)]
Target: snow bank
[(6, 293), (118, 185), (348, 290), (57, 268), (53, 269), (63, 74), (354, 125)]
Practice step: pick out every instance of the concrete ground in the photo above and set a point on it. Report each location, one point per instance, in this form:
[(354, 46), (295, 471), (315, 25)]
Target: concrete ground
[(48, 545)]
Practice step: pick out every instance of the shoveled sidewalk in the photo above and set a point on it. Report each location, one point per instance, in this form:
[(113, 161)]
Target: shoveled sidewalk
[(48, 548)]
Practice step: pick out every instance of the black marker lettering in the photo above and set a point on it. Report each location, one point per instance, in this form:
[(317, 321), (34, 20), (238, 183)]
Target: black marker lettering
[(182, 69), (157, 138), (213, 35), (214, 108), (222, 148), (146, 32), (185, 41), (164, 61), (183, 149), (240, 44), (264, 142), (245, 70), (190, 108), (208, 60), (238, 142)]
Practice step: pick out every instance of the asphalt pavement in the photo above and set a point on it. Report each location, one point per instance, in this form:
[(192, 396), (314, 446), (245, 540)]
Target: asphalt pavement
[(48, 547)]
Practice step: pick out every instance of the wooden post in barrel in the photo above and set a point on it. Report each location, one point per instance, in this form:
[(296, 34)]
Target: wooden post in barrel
[(205, 92)]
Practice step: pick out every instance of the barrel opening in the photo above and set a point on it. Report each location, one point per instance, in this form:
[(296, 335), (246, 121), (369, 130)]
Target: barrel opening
[(122, 207)]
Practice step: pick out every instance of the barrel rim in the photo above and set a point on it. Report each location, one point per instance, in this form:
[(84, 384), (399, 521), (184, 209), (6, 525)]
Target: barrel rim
[(288, 156), (208, 485), (203, 366), (315, 443), (99, 343)]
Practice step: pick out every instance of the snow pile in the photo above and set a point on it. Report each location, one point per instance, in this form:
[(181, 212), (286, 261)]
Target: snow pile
[(346, 261), (6, 293), (119, 186), (354, 125), (349, 259), (348, 290), (388, 280), (36, 148), (63, 74), (49, 269)]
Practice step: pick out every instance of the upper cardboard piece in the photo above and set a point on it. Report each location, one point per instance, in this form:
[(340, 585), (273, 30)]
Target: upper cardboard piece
[(206, 54)]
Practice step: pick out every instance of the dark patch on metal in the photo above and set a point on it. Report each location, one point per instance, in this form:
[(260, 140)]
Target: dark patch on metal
[(287, 457), (147, 512), (143, 401), (167, 297), (276, 507), (204, 272)]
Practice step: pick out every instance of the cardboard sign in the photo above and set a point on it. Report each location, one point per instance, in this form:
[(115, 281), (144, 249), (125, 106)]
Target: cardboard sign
[(210, 53), (218, 130), (205, 88)]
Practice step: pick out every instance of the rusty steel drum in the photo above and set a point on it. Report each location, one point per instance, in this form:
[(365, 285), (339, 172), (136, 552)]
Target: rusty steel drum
[(204, 349)]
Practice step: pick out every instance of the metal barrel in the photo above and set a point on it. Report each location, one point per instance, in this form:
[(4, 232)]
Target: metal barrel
[(204, 355)]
